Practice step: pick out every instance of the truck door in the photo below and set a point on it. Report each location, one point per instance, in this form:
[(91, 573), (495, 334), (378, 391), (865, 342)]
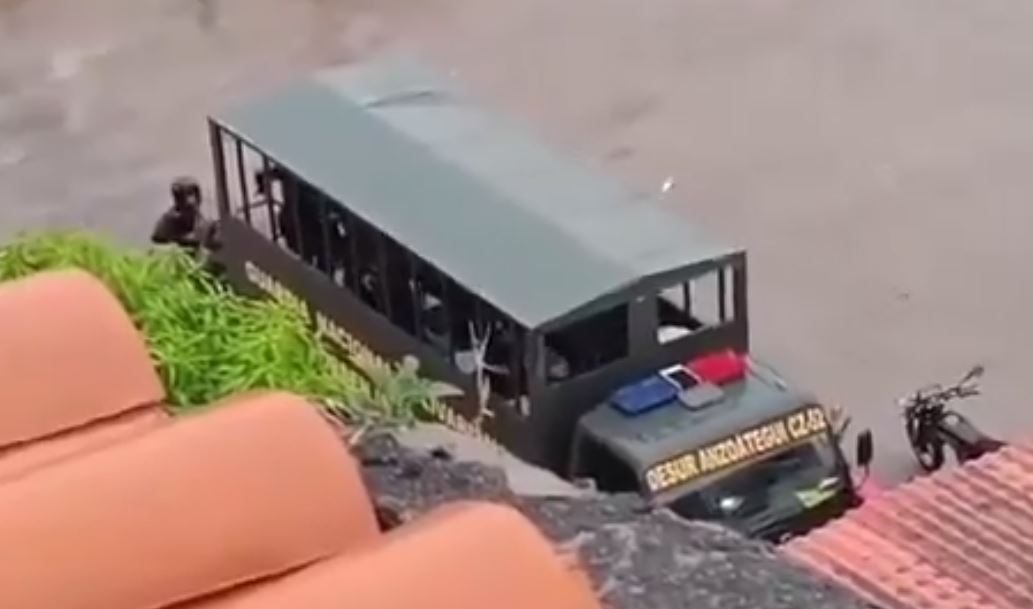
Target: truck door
[(592, 459)]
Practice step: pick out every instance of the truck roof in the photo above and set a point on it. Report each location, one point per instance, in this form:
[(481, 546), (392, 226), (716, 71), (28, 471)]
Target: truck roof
[(667, 432), (538, 236)]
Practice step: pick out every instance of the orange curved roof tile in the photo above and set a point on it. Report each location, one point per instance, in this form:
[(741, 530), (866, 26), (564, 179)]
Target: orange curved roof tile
[(249, 490), (69, 355), (26, 457), (961, 538)]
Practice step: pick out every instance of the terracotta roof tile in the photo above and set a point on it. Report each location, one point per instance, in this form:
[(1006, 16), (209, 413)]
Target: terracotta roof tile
[(232, 495), (958, 539), (66, 326), (27, 457)]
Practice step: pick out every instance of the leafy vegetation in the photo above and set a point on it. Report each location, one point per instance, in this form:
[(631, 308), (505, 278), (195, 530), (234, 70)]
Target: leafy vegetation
[(208, 342)]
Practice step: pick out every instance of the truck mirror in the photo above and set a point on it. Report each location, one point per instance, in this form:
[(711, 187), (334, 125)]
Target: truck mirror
[(865, 448), (838, 420)]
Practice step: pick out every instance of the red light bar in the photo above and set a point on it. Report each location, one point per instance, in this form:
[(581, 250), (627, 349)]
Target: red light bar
[(719, 368)]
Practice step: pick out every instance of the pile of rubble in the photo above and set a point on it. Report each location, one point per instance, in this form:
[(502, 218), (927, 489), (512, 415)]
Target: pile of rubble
[(639, 558)]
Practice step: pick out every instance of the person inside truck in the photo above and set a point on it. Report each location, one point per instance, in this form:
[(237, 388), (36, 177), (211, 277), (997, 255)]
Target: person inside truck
[(588, 344), (300, 218), (300, 224)]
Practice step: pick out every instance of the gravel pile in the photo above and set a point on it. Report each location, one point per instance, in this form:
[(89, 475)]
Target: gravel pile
[(638, 558)]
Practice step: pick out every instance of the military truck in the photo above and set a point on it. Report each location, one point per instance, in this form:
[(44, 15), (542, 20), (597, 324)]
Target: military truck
[(584, 326)]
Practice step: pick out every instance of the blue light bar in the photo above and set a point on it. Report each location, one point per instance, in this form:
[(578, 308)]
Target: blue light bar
[(643, 396)]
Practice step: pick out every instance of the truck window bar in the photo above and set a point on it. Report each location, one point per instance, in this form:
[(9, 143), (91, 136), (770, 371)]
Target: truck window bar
[(415, 292), (242, 181), (266, 192), (295, 210), (217, 142), (446, 303), (351, 234), (722, 307), (385, 299), (478, 320), (536, 342), (323, 209), (516, 348)]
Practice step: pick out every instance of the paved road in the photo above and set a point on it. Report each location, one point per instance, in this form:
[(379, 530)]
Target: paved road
[(874, 157)]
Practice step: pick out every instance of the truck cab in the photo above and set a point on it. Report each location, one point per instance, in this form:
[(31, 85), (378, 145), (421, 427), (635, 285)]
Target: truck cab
[(720, 439), (584, 326)]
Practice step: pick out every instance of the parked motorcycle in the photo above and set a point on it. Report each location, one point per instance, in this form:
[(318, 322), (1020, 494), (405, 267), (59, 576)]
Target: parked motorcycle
[(931, 426)]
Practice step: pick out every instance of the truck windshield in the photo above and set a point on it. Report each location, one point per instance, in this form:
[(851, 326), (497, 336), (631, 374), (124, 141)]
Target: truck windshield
[(790, 481)]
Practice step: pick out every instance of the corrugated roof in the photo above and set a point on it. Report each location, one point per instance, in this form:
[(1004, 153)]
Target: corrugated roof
[(958, 539), (531, 232)]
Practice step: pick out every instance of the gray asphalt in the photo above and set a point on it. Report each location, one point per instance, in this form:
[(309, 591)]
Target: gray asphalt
[(874, 157)]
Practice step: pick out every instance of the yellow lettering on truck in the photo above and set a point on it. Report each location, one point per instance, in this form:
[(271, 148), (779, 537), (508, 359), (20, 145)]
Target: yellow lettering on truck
[(747, 445)]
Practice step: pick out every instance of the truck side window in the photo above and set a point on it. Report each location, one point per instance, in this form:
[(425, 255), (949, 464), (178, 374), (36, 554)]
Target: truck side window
[(505, 358), (399, 286), (674, 313), (587, 344), (366, 246), (262, 201), (701, 302)]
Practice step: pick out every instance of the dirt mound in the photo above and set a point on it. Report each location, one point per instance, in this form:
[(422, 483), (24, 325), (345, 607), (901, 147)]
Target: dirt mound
[(638, 558)]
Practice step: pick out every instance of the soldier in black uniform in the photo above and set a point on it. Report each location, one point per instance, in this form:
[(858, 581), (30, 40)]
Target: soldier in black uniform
[(183, 224)]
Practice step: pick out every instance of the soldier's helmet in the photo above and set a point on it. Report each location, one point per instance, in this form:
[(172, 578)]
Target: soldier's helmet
[(186, 190)]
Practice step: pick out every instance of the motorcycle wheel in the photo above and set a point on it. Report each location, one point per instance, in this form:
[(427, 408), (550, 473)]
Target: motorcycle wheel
[(927, 448)]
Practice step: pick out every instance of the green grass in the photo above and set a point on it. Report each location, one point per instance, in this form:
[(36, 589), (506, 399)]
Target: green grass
[(208, 342)]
